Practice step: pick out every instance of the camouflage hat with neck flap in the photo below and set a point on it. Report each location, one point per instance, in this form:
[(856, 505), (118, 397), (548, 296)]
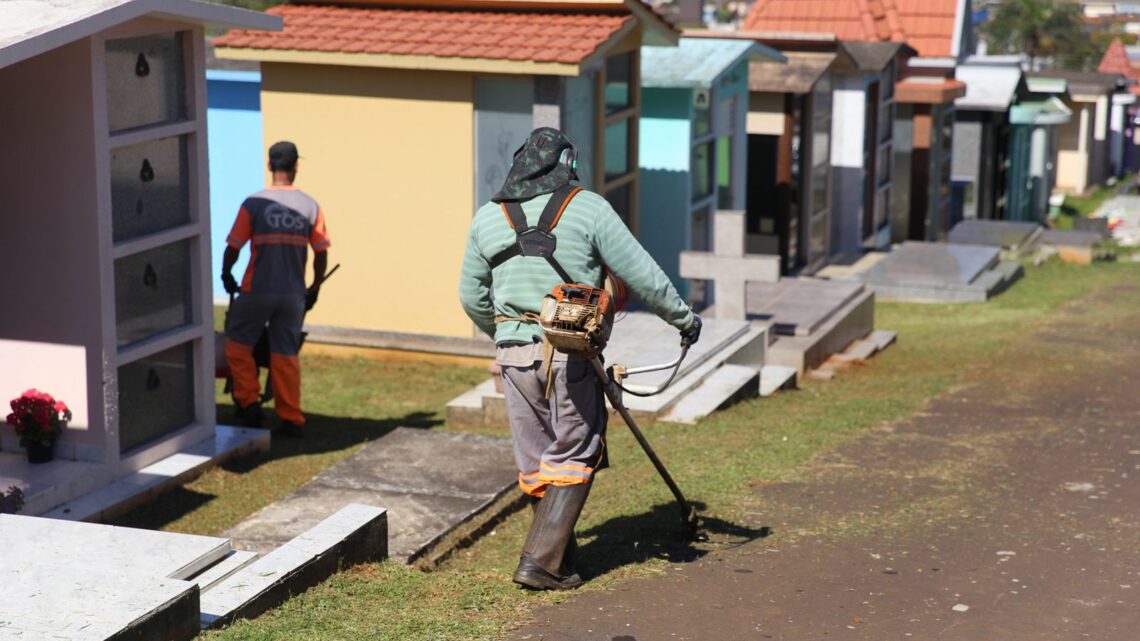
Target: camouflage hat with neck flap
[(537, 168)]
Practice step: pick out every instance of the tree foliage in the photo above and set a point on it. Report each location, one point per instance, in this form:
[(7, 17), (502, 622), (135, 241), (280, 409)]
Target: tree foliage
[(1046, 30)]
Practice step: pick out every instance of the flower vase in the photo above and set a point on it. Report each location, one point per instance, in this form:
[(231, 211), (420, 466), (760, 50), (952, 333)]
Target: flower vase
[(40, 453)]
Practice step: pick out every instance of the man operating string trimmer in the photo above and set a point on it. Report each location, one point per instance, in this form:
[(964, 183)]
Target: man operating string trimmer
[(542, 241)]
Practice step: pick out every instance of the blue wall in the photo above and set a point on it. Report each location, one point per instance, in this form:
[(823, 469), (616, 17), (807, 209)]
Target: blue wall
[(664, 148), (237, 156)]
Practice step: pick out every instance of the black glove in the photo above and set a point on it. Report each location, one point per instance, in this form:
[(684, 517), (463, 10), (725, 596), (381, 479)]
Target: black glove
[(311, 297), (692, 333), (230, 284)]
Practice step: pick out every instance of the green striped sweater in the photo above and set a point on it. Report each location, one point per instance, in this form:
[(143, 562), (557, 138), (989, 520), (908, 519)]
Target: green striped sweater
[(590, 234)]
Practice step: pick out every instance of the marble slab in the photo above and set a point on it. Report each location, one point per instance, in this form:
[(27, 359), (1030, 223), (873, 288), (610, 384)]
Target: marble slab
[(933, 264), (62, 601), (106, 548), (993, 233), (799, 306), (1064, 238), (640, 338)]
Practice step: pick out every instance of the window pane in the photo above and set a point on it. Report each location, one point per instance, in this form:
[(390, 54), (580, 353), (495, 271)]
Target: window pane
[(619, 70), (883, 165), (702, 170), (702, 114), (724, 173), (149, 188), (882, 208), (156, 396), (620, 199), (702, 240), (617, 149), (152, 292), (817, 242), (819, 198), (146, 81), (886, 122)]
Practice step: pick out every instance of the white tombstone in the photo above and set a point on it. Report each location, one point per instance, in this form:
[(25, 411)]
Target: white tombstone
[(728, 266)]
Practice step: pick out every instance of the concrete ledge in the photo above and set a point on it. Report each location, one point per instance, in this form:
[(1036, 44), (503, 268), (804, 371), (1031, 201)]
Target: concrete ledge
[(475, 347), (355, 534), (148, 483)]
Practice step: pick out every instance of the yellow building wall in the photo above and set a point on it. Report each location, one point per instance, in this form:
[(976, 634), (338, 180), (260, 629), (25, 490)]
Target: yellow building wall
[(389, 154)]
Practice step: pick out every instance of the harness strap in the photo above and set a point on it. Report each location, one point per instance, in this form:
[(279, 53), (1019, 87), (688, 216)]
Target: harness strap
[(551, 214)]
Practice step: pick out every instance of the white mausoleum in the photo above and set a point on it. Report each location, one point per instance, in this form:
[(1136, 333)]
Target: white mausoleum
[(107, 259)]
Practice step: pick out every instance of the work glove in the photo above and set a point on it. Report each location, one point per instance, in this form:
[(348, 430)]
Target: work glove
[(692, 334), (230, 284), (311, 297)]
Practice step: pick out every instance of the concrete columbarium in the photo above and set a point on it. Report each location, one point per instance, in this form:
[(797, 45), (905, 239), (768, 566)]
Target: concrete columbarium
[(109, 235)]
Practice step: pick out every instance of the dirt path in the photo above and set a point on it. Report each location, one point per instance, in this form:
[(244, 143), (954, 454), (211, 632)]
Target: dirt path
[(1008, 510)]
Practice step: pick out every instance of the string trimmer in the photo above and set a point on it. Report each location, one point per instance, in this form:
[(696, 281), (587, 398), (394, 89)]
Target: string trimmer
[(613, 387)]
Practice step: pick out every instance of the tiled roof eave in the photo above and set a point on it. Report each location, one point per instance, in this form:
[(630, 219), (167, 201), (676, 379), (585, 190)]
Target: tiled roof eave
[(401, 61)]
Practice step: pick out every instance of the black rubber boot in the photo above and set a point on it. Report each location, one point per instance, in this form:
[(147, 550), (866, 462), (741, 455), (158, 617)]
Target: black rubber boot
[(550, 542), (248, 416)]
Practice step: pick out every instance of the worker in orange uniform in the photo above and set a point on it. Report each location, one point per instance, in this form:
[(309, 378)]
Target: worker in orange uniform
[(280, 222)]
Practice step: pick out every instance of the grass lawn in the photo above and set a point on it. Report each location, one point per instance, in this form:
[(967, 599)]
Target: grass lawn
[(1077, 206), (628, 525)]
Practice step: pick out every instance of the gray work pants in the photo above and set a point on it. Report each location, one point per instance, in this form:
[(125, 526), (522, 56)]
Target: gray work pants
[(560, 440)]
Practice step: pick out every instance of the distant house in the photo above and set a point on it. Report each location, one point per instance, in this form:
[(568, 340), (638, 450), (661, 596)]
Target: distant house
[(1083, 150), (873, 121), (407, 114), (982, 137), (790, 123), (108, 260), (1124, 61), (1033, 155), (693, 143)]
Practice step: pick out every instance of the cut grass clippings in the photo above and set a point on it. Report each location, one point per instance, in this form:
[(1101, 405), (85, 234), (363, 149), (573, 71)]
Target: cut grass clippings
[(629, 525)]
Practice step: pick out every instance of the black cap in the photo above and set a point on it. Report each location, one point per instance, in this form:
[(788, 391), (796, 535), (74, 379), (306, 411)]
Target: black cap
[(282, 156)]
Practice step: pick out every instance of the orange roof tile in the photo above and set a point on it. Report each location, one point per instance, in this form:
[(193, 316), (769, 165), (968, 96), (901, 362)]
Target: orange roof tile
[(926, 25), (545, 36), (1116, 60)]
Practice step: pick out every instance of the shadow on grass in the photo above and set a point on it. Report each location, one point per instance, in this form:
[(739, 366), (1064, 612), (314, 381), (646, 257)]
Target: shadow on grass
[(169, 507), (656, 534), (325, 434)]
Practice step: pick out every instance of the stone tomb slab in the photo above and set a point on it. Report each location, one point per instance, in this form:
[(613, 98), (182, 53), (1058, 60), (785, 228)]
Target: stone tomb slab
[(799, 306), (65, 601), (119, 550), (934, 265), (1010, 236), (430, 483), (640, 338)]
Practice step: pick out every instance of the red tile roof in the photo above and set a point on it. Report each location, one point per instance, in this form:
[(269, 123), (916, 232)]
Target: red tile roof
[(926, 25), (543, 36), (1116, 61)]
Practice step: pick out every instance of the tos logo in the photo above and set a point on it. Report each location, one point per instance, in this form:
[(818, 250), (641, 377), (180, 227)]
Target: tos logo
[(283, 218)]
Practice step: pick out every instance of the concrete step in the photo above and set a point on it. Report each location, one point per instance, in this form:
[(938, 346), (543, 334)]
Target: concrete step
[(883, 338), (222, 570), (776, 377), (355, 534), (748, 348), (725, 386)]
